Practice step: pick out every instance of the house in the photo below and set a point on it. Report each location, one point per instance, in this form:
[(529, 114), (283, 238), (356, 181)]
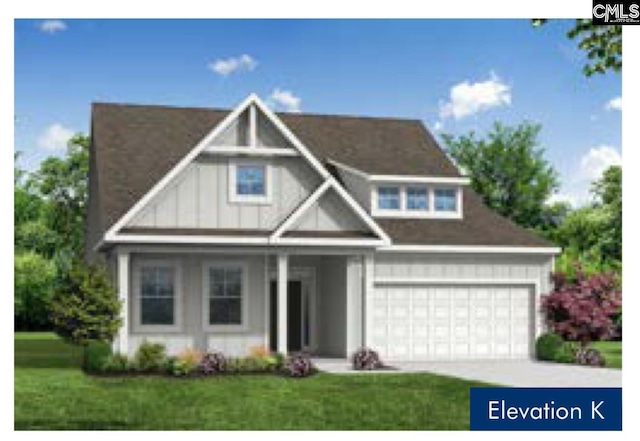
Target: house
[(230, 229)]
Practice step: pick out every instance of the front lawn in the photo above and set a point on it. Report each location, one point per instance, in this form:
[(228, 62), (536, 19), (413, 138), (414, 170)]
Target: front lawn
[(611, 351), (52, 393)]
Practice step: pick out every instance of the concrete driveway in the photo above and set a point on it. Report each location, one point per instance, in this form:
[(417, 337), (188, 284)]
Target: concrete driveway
[(525, 373), (521, 373)]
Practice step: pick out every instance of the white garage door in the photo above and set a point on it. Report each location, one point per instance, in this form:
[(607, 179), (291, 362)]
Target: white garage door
[(422, 322)]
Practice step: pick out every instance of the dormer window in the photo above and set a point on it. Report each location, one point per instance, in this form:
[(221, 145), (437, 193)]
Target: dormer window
[(417, 198), (388, 198), (250, 182), (446, 199)]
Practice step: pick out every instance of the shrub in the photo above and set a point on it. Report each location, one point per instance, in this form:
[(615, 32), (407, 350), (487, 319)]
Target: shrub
[(150, 357), (116, 364), (186, 363), (95, 355), (84, 307), (548, 345), (33, 278), (589, 357), (259, 352), (583, 309), (366, 359), (212, 363), (298, 365), (566, 353)]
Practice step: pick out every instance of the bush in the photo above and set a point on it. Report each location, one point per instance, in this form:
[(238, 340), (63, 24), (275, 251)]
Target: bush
[(84, 306), (33, 278), (95, 355), (590, 357), (548, 345), (298, 365), (212, 363), (150, 357), (583, 309), (365, 359), (186, 363), (116, 364), (566, 353)]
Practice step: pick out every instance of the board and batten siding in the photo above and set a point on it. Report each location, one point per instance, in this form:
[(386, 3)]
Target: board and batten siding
[(358, 187), (330, 213), (192, 332), (199, 197)]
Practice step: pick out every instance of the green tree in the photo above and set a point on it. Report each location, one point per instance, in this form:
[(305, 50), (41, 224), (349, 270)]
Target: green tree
[(63, 183), (603, 45), (33, 281), (84, 305), (508, 170), (608, 198)]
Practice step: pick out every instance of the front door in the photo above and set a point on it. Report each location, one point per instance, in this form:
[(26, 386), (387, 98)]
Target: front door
[(294, 311)]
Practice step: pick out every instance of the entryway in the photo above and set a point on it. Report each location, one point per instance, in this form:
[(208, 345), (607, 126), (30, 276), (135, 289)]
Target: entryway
[(298, 320)]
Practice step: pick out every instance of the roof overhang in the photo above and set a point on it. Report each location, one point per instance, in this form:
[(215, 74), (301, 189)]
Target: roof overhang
[(402, 179), (470, 249)]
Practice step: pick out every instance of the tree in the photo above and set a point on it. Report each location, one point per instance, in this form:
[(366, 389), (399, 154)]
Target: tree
[(608, 198), (583, 309), (508, 170), (603, 45), (33, 280), (63, 183), (84, 305)]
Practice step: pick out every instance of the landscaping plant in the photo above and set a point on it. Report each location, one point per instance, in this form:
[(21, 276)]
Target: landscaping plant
[(150, 357), (298, 365), (583, 309), (212, 363), (186, 363), (590, 357), (95, 355), (366, 359)]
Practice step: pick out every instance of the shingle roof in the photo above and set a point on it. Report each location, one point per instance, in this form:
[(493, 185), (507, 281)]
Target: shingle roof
[(134, 146)]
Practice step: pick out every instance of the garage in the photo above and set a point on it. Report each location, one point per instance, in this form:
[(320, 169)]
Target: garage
[(452, 322)]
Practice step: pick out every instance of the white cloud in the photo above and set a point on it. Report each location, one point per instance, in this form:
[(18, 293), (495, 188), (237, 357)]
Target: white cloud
[(52, 26), (614, 104), (437, 126), (597, 160), (576, 188), (285, 100), (55, 137), (470, 98), (224, 67)]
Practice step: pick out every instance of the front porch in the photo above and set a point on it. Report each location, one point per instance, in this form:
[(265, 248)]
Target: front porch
[(236, 299)]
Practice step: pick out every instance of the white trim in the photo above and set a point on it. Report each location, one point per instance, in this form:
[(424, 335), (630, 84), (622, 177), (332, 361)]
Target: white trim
[(209, 240), (283, 303), (249, 151), (237, 250), (324, 242), (452, 281), (166, 179), (253, 137), (301, 210), (404, 213), (232, 175), (244, 297), (402, 178), (178, 298), (464, 249)]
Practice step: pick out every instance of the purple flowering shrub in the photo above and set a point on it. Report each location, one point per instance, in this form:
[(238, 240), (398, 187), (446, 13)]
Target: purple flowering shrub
[(589, 357), (583, 309), (212, 363), (298, 365), (366, 359)]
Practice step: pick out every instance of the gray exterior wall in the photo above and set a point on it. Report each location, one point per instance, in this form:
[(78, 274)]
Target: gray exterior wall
[(330, 213), (332, 306), (358, 187), (199, 198)]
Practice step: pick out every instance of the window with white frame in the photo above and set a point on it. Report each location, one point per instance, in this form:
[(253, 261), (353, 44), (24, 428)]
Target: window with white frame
[(417, 198), (224, 293), (249, 182), (158, 288), (388, 198), (446, 199)]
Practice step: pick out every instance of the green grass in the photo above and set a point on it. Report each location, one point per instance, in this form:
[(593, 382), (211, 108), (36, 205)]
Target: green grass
[(612, 352), (52, 393)]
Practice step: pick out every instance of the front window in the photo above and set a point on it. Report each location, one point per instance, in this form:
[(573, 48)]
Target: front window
[(224, 295), (417, 198), (157, 295), (250, 180), (388, 198), (446, 199)]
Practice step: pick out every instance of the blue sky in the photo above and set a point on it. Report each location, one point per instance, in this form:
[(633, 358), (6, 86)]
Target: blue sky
[(455, 75)]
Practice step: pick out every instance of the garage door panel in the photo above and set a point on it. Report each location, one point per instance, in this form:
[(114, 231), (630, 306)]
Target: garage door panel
[(423, 322)]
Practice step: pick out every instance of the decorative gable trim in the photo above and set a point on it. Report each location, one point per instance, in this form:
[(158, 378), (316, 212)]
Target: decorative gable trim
[(252, 102)]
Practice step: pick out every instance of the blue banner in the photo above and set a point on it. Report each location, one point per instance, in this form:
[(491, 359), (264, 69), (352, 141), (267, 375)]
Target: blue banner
[(539, 408)]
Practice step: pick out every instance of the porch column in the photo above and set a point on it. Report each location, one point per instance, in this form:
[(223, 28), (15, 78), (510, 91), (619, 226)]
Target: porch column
[(121, 343), (283, 296), (367, 298)]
